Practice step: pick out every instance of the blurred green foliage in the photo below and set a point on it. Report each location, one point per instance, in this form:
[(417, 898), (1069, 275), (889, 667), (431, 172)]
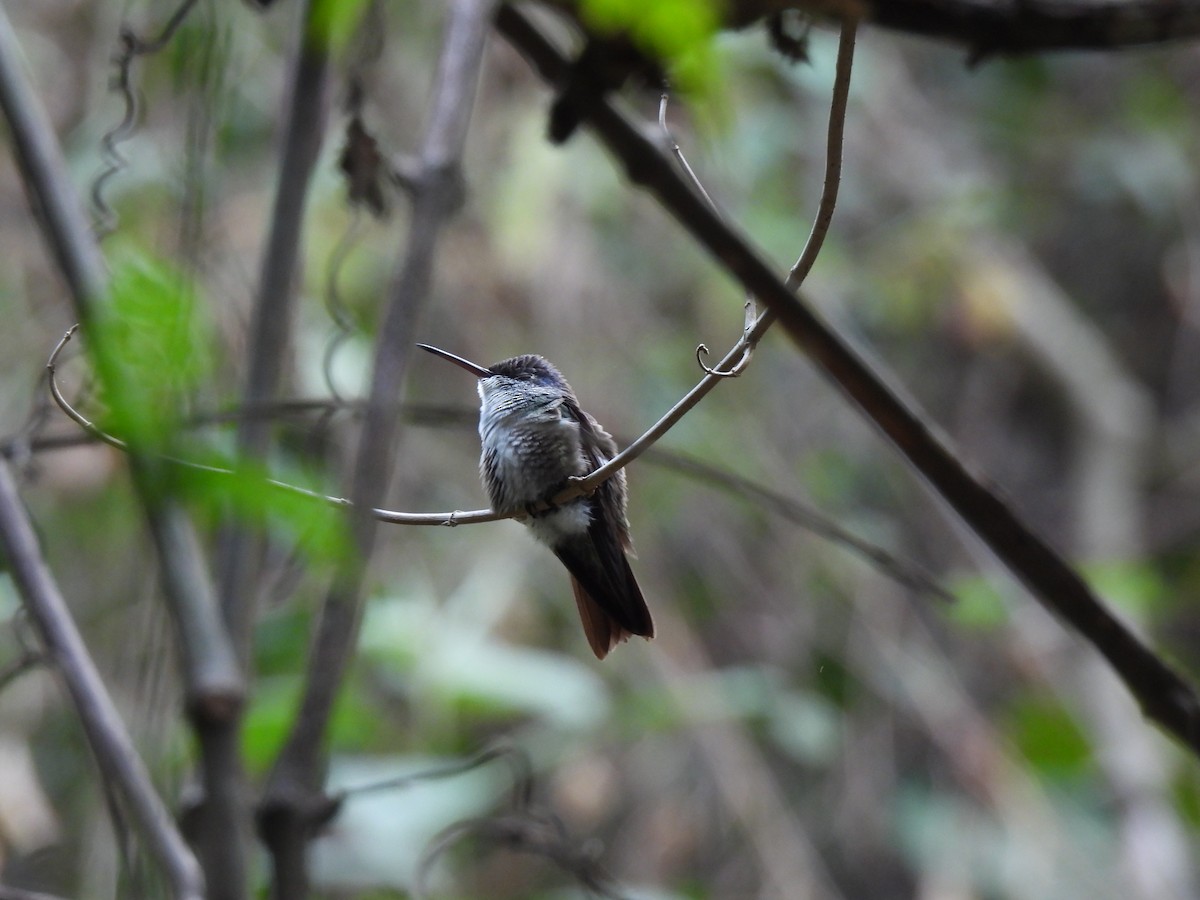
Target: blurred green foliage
[(1049, 738), (332, 23), (150, 343), (679, 32)]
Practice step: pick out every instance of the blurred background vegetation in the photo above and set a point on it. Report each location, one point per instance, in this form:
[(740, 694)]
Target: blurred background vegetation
[(1019, 243)]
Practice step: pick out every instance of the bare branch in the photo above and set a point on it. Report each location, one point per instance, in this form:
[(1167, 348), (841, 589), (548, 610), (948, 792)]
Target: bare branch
[(292, 799), (995, 27), (131, 47), (735, 361), (12, 893), (115, 752), (834, 138), (1165, 697), (518, 761), (274, 301), (213, 681), (788, 507), (383, 515)]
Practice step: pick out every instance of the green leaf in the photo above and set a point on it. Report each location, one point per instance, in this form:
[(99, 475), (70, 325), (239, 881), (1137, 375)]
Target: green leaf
[(470, 671), (1048, 736), (355, 725), (331, 23), (978, 604), (268, 718), (1133, 586), (150, 349), (677, 32), (318, 528), (1186, 790)]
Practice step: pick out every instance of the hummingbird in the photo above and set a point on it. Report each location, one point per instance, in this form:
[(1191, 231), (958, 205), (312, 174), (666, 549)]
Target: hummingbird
[(535, 437)]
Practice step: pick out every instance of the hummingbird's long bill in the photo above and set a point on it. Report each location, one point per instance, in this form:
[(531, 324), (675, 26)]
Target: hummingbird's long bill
[(474, 368)]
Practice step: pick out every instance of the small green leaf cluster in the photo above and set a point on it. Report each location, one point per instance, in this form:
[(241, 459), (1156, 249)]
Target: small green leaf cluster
[(151, 346), (678, 32)]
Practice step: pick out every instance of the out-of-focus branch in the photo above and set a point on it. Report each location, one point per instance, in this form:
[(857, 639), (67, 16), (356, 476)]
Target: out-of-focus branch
[(791, 867), (1111, 417), (12, 893), (273, 307), (292, 803), (1165, 697), (213, 681), (222, 809), (46, 179), (117, 757), (994, 27)]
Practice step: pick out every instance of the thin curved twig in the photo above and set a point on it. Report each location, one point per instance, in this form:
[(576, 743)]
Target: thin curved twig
[(677, 152), (738, 368), (686, 167), (518, 760), (457, 517), (834, 141), (737, 358), (835, 137), (131, 47)]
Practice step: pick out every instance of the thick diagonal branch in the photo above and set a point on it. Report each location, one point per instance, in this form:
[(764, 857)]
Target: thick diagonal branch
[(1164, 696), (993, 27)]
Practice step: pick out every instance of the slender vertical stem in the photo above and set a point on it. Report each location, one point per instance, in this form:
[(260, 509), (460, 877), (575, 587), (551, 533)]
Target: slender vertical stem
[(292, 803), (212, 679), (274, 303), (115, 752)]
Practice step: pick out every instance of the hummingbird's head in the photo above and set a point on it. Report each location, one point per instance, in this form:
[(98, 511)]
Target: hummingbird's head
[(520, 382), (527, 372)]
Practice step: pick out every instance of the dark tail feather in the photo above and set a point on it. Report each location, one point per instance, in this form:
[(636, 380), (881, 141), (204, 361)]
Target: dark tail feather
[(603, 632), (607, 595), (602, 629)]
